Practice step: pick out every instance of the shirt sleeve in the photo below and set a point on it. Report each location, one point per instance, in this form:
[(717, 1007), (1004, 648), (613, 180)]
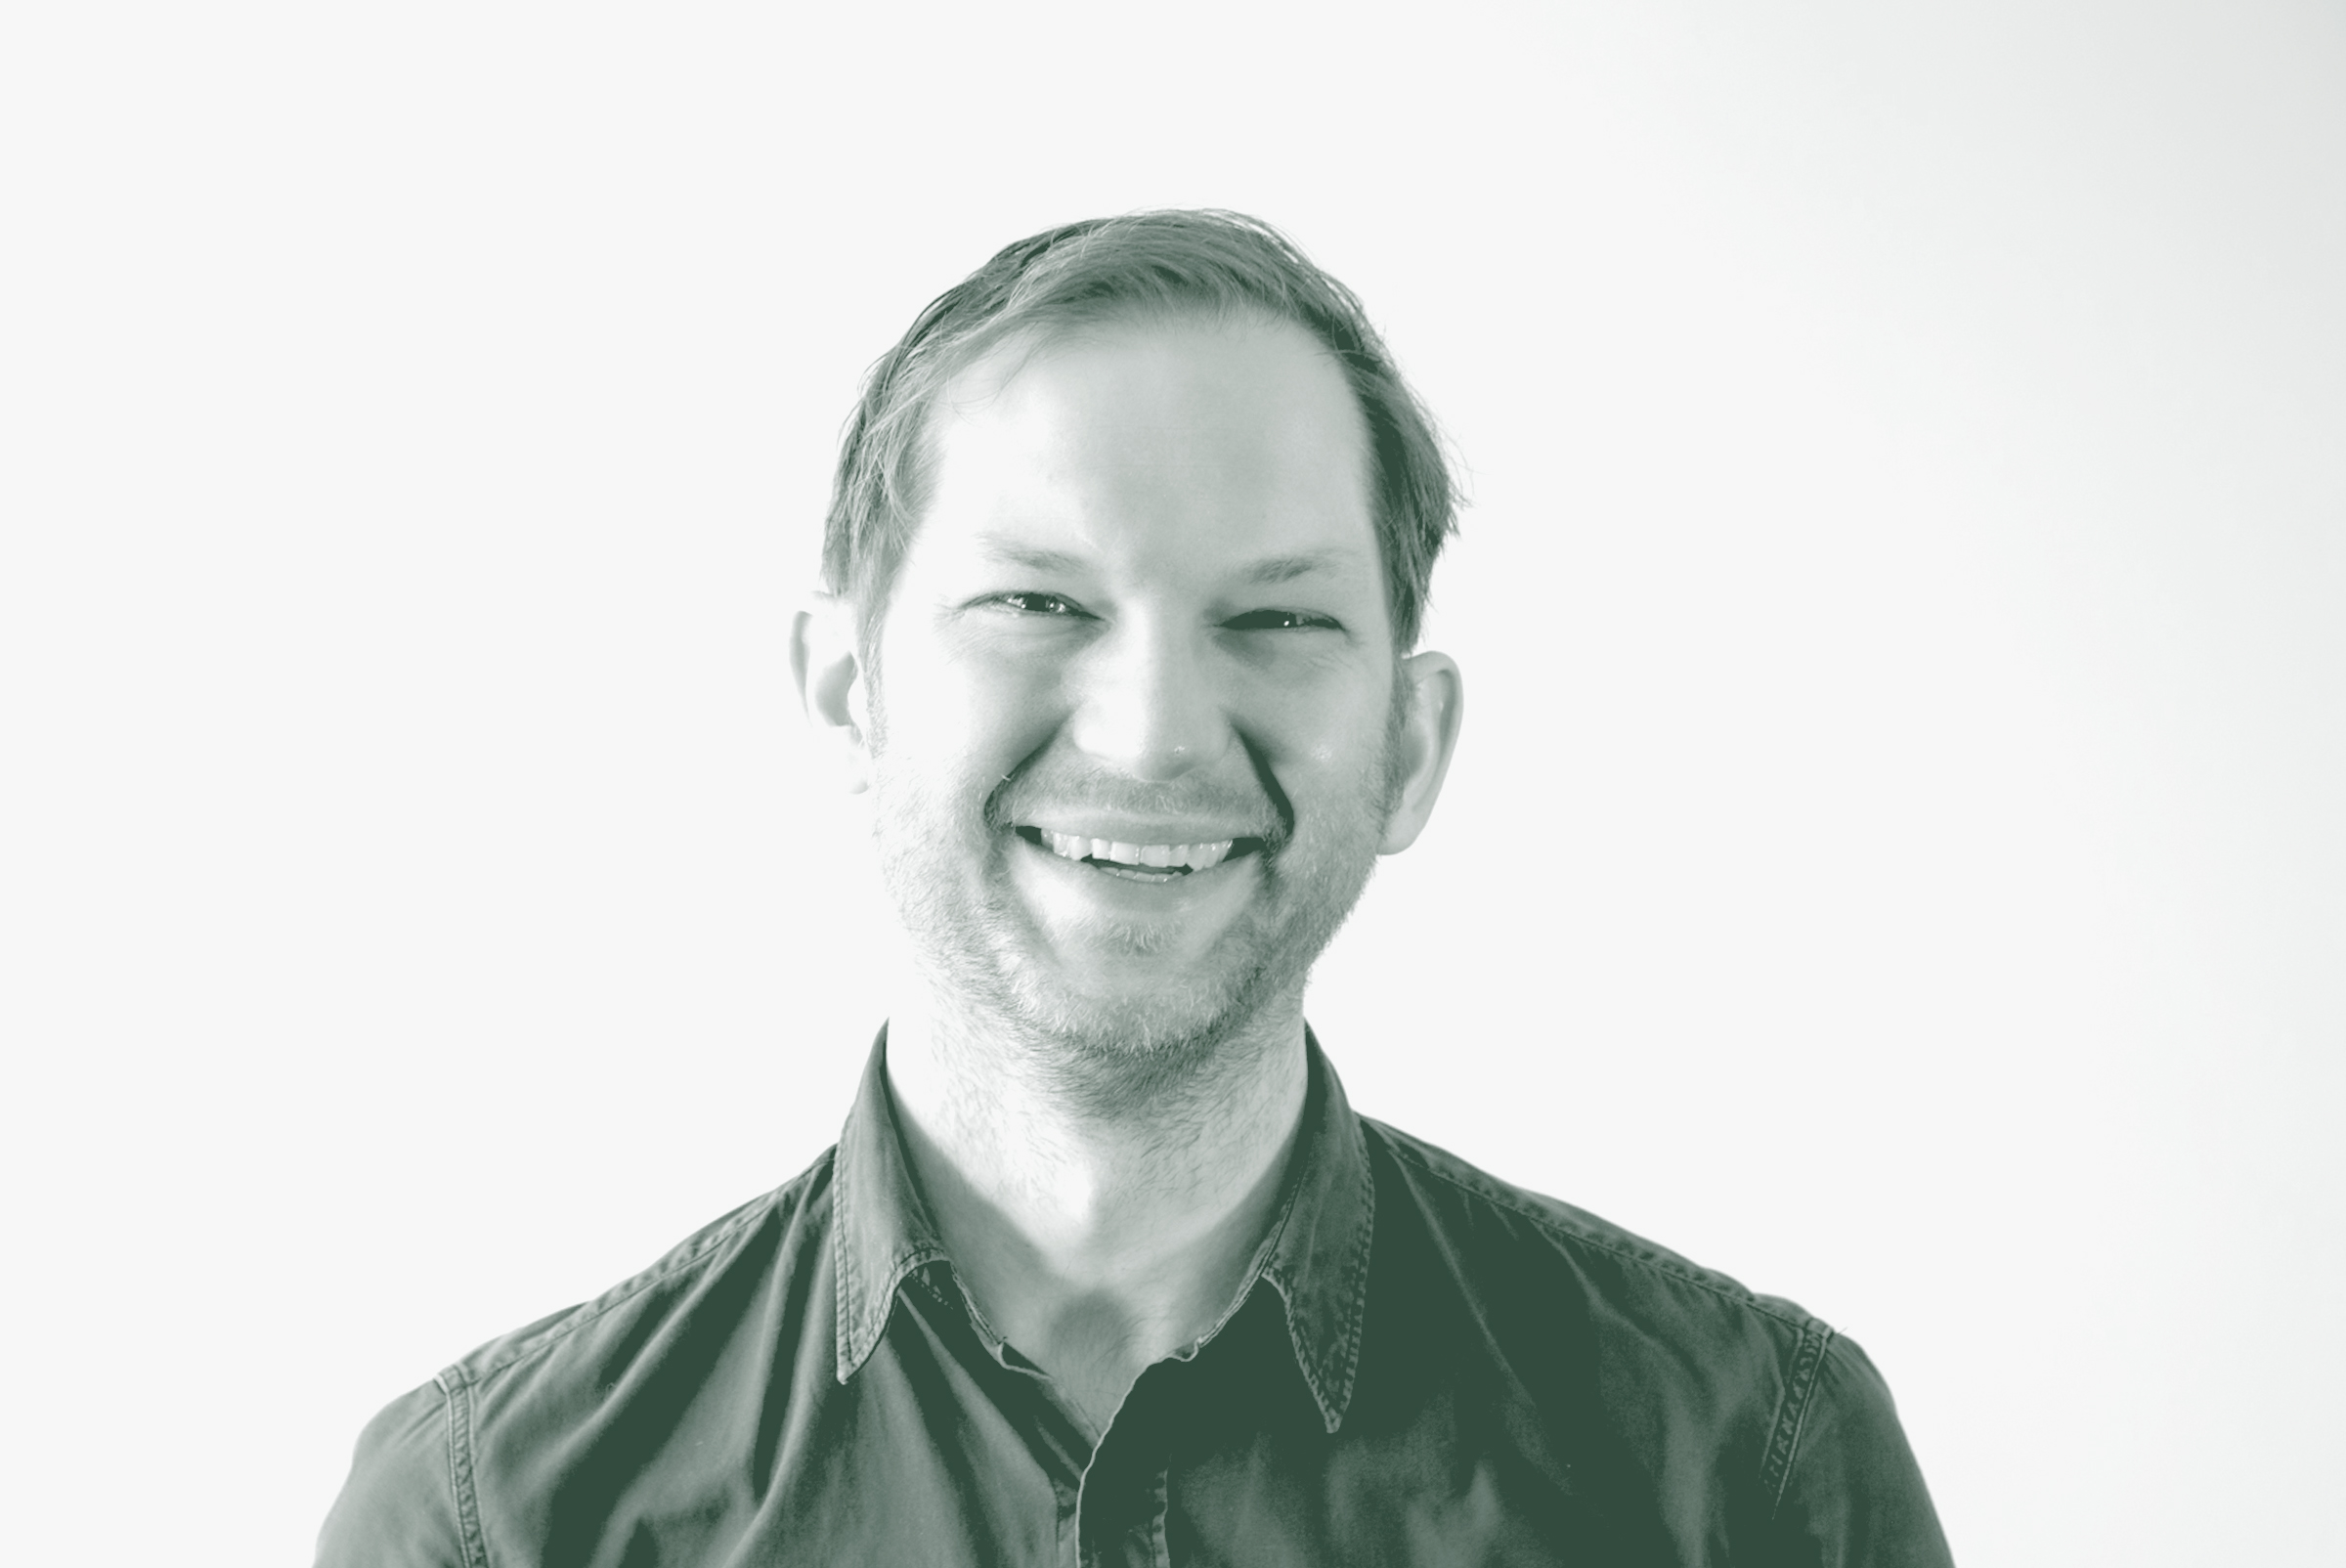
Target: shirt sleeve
[(397, 1508), (1854, 1496)]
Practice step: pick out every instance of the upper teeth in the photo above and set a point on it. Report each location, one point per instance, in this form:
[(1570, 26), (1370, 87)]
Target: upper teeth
[(1196, 856)]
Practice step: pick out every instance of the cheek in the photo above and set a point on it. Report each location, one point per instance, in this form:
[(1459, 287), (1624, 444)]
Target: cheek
[(1327, 727), (945, 710)]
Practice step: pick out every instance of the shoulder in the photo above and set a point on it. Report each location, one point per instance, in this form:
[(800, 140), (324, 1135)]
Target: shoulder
[(1851, 1489), (1716, 1389), (1586, 1320), (771, 1241), (399, 1507), (1485, 1220), (411, 1497)]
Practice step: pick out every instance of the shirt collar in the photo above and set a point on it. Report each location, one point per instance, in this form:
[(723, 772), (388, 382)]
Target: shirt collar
[(1316, 1254), (879, 1230)]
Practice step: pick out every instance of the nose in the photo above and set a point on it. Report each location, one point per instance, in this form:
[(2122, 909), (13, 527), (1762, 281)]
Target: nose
[(1148, 704)]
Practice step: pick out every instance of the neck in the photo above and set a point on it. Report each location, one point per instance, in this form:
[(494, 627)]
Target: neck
[(1097, 1237)]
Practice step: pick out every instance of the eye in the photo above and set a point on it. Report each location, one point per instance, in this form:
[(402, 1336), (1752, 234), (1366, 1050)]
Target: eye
[(1029, 602), (1279, 621)]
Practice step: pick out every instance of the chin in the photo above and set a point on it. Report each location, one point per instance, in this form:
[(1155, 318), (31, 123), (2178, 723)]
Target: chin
[(1120, 1048), (1121, 1023), (1141, 1020)]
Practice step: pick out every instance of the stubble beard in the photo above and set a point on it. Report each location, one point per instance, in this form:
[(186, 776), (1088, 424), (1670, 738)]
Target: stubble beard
[(987, 964)]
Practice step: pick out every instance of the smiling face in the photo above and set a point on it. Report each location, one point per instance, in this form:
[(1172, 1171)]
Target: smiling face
[(1133, 728)]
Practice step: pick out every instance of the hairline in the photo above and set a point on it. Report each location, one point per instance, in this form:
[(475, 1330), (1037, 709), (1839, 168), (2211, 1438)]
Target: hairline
[(1200, 264)]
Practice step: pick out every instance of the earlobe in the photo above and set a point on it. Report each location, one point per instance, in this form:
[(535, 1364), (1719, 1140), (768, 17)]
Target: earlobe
[(827, 669), (1429, 735)]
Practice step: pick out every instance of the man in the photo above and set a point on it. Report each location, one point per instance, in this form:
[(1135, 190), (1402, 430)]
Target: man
[(1130, 540)]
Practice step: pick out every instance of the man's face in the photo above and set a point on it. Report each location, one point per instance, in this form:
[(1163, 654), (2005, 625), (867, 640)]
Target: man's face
[(1134, 683)]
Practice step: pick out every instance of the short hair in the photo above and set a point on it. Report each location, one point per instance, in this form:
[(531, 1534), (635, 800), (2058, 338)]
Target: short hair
[(1143, 264)]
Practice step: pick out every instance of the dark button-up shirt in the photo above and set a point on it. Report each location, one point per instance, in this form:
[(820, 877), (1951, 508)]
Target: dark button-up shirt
[(1424, 1365)]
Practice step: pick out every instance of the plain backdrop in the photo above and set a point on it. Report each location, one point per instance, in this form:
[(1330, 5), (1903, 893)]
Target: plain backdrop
[(1897, 852)]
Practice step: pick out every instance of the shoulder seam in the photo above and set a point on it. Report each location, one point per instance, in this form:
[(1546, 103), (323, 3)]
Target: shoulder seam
[(1398, 1144), (456, 1398), (1792, 1419)]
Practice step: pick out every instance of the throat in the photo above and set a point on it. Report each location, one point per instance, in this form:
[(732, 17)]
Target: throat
[(1095, 1250)]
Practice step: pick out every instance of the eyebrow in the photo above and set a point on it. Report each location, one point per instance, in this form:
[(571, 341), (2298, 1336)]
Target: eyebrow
[(1270, 569), (1287, 568), (998, 549)]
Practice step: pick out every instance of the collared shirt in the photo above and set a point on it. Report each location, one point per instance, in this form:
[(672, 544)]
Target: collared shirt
[(1424, 1364)]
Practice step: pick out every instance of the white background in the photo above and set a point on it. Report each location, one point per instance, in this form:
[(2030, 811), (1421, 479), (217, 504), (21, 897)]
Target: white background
[(1897, 854)]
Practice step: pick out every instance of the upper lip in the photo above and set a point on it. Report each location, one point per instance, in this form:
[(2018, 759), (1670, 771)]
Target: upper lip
[(1186, 855), (1126, 830)]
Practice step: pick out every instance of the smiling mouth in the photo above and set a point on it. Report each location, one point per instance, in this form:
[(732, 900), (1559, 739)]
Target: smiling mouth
[(1138, 862)]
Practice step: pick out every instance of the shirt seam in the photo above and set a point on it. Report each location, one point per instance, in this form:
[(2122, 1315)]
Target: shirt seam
[(1563, 1230), (457, 1395), (1792, 1420), (1160, 1539)]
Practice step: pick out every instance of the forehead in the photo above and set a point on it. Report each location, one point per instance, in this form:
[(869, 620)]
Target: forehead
[(1216, 442)]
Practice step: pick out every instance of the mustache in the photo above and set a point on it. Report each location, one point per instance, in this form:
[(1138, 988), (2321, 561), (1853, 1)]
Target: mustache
[(1033, 786)]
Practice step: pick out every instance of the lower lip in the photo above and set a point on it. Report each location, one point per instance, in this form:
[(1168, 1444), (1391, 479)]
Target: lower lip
[(1137, 873)]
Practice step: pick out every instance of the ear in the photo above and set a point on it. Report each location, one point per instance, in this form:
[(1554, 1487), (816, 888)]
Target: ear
[(828, 669), (1429, 735)]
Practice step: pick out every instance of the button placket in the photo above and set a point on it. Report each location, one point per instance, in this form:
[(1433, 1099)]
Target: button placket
[(1122, 1506)]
